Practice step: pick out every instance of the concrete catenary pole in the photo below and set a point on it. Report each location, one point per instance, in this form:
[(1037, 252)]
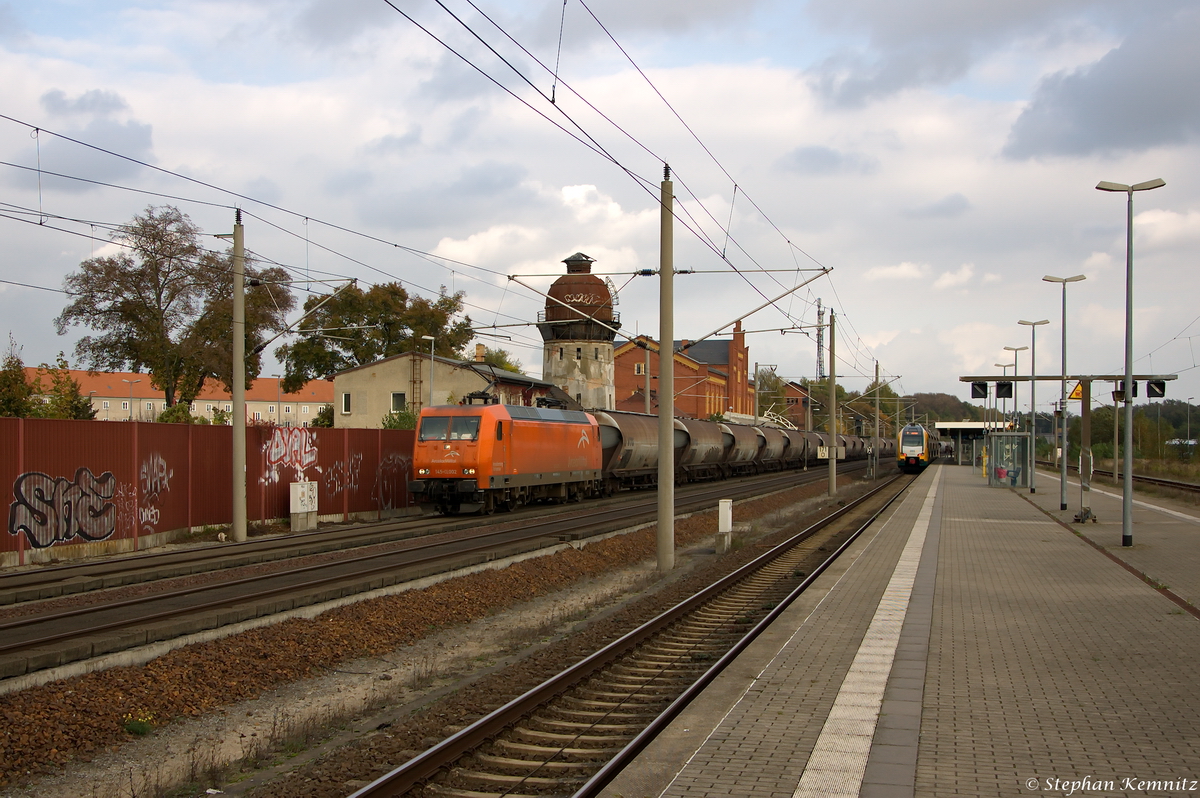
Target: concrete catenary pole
[(832, 406), (875, 437), (666, 378), (239, 380)]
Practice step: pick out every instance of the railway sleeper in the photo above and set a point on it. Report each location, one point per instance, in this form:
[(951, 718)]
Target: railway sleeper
[(520, 766), (528, 749), (584, 715), (560, 738), (504, 780), (633, 671), (555, 724), (660, 675), (598, 693), (442, 791)]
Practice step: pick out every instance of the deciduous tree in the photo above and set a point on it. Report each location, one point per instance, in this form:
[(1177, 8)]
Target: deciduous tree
[(163, 305), (357, 327), (15, 392)]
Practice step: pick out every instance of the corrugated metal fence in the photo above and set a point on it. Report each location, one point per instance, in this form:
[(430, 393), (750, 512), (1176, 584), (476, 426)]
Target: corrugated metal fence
[(81, 487)]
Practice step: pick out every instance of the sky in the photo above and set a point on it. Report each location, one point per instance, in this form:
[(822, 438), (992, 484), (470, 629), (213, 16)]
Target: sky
[(937, 157)]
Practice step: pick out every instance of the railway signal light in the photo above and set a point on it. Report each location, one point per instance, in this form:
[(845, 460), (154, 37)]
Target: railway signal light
[(1154, 388), (979, 390), (1122, 388), (1004, 390)]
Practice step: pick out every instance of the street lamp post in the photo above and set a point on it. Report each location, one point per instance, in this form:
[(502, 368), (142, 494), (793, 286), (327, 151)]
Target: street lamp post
[(131, 384), (1016, 350), (430, 339), (1033, 325), (1127, 490), (1062, 460)]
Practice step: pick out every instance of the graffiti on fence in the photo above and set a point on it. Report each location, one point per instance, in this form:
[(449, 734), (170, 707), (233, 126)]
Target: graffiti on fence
[(391, 481), (343, 475), (52, 510), (156, 476), (289, 447), (155, 481)]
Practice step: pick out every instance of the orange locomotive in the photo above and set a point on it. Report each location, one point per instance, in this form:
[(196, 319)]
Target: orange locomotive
[(472, 458)]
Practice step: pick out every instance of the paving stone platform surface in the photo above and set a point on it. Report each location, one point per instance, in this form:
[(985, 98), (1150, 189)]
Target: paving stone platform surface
[(975, 643)]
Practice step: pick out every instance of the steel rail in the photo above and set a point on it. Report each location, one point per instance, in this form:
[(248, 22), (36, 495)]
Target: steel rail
[(427, 764), (487, 542), (1162, 482)]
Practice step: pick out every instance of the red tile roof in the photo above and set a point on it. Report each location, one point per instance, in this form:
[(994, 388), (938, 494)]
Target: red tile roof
[(112, 383)]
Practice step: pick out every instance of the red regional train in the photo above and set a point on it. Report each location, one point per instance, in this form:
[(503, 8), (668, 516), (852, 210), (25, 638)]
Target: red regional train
[(482, 458)]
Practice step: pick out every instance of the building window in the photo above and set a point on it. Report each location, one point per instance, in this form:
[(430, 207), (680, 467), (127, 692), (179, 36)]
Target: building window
[(304, 410), (164, 407), (124, 405), (579, 398), (639, 369), (228, 407), (560, 353), (399, 402), (287, 409), (208, 407), (596, 353), (270, 408), (579, 353), (304, 423), (257, 416), (104, 404), (149, 405), (345, 403)]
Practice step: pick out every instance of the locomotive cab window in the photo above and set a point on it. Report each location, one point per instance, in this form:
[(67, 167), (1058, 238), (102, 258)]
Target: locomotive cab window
[(449, 428), (911, 438)]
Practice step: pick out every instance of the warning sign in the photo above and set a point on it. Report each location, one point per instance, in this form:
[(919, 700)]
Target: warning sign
[(1077, 392)]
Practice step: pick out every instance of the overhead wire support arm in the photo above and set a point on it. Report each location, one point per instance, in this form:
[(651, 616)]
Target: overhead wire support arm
[(823, 271), (288, 330)]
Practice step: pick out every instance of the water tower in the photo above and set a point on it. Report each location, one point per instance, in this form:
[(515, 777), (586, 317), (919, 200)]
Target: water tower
[(578, 352)]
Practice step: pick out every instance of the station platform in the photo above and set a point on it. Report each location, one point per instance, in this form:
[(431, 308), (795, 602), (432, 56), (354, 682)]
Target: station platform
[(969, 644)]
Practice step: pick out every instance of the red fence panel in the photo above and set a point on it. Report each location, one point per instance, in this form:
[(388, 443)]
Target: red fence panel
[(75, 482)]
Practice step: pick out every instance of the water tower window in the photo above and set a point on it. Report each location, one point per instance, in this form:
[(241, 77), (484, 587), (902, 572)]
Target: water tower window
[(579, 353), (560, 353), (596, 353)]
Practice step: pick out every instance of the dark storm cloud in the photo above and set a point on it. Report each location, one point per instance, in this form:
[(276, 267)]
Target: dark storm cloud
[(936, 42), (1142, 94), (816, 161), (95, 102), (947, 207), (482, 194)]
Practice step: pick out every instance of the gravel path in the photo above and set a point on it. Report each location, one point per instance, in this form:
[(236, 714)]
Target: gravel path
[(396, 649)]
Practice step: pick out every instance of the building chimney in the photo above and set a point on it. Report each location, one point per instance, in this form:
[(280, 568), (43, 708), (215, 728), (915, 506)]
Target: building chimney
[(480, 349)]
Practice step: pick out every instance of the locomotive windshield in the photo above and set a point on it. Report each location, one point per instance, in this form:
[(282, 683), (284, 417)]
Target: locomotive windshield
[(449, 428), (911, 437)]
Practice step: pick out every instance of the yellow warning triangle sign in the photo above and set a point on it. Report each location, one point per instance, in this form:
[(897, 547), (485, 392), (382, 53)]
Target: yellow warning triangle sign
[(1077, 393)]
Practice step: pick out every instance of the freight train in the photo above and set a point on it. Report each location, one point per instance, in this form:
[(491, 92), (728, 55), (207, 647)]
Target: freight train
[(916, 448), (482, 458)]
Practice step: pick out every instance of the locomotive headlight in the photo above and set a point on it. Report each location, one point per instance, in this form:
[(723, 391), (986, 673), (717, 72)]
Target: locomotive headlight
[(422, 471), (468, 471)]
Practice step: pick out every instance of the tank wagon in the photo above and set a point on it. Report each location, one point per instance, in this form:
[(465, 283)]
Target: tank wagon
[(482, 458)]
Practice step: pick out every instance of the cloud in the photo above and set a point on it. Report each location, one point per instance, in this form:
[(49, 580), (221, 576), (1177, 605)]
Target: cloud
[(330, 23), (817, 161), (95, 102), (1129, 100), (11, 29), (956, 278), (391, 144), (901, 271), (132, 139), (947, 207), (1164, 229)]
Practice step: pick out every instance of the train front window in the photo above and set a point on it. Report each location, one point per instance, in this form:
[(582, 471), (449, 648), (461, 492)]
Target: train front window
[(464, 428), (911, 438), (434, 428)]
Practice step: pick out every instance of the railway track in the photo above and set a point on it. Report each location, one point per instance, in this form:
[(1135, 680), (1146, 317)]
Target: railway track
[(41, 640), (1188, 487), (573, 733), (34, 584)]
